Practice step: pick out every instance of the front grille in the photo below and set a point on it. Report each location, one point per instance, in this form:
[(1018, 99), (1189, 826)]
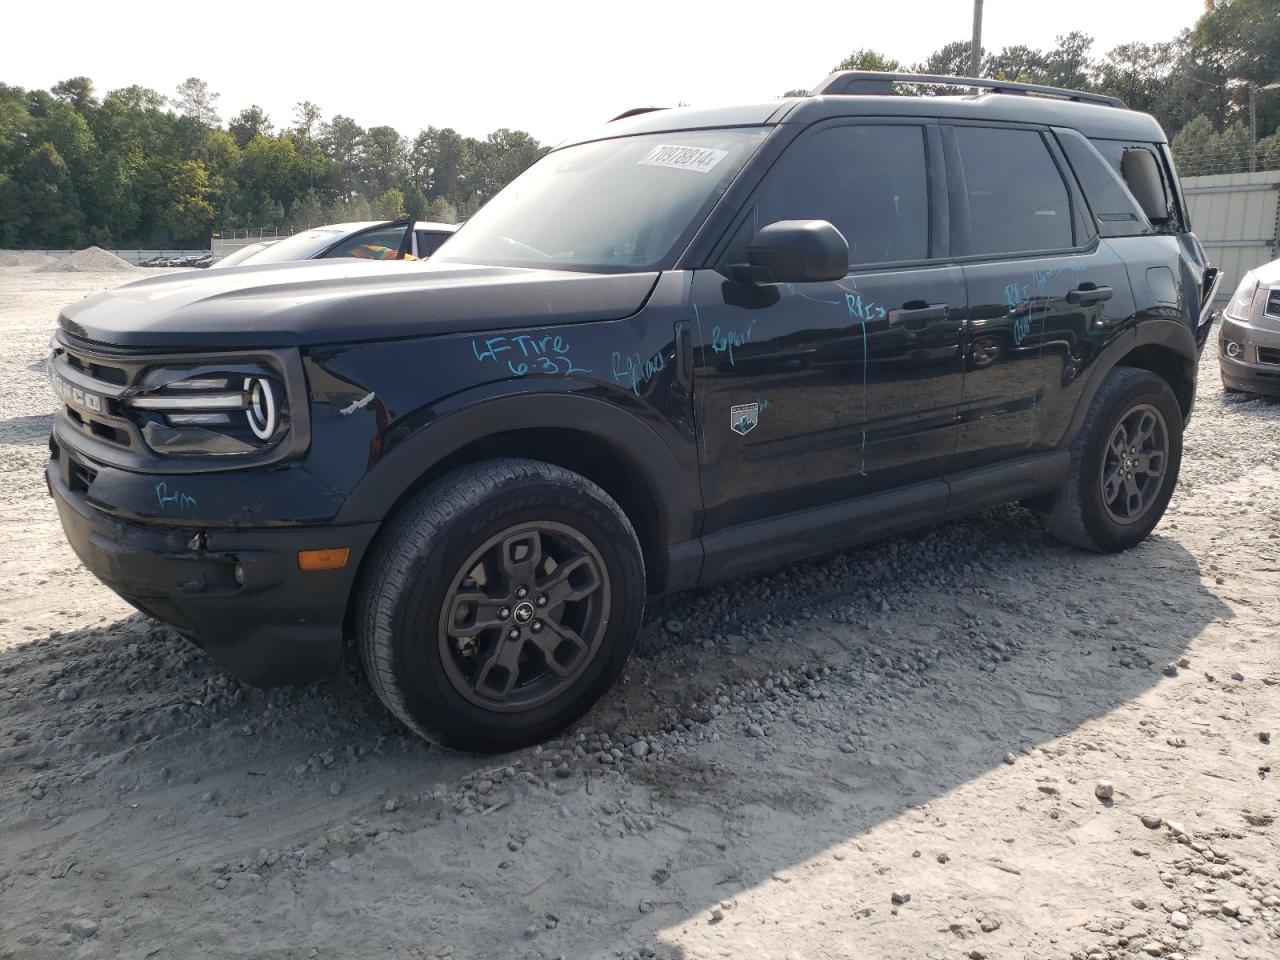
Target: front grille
[(1273, 303), (1269, 355), (182, 412), (90, 387)]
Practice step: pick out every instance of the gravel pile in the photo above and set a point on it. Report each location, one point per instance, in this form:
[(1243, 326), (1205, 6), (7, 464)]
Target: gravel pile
[(27, 261), (90, 260)]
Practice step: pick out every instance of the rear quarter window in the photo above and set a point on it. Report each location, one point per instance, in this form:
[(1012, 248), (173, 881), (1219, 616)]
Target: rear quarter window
[(1115, 211), (1113, 152)]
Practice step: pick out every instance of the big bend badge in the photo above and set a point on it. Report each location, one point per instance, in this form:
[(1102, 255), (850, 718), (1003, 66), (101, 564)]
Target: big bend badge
[(744, 417)]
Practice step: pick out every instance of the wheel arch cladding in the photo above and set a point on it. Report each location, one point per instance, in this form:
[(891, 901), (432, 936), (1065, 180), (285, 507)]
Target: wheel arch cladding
[(1168, 364), (1166, 348), (613, 449)]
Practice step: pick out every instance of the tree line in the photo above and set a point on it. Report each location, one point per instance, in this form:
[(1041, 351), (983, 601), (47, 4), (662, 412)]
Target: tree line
[(1197, 84), (136, 168)]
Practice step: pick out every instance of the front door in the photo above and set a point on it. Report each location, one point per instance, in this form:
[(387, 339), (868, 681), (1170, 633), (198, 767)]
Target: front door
[(809, 394)]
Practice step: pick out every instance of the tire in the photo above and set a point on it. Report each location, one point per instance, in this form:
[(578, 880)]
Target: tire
[(1082, 514), (438, 609)]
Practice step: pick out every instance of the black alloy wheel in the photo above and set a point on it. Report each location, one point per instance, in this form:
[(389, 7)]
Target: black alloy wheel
[(1133, 467), (525, 615)]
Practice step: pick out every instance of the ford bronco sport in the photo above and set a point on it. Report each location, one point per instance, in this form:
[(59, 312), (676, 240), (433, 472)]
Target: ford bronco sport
[(694, 344)]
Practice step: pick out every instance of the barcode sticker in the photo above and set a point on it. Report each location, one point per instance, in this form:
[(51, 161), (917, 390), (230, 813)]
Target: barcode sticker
[(697, 159)]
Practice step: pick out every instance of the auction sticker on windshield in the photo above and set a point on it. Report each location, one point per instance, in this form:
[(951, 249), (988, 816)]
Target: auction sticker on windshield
[(697, 159)]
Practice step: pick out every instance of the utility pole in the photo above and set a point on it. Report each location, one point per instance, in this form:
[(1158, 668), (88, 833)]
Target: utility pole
[(1253, 127), (975, 48)]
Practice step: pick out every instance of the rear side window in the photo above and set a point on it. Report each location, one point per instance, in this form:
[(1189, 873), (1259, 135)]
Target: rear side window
[(1114, 209), (429, 243), (870, 181), (1016, 196)]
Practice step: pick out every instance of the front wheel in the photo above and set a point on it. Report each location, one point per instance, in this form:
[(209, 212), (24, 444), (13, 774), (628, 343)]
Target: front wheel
[(1124, 464), (502, 602)]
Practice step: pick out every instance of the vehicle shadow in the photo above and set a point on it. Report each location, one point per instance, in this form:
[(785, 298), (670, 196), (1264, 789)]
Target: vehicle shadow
[(915, 702), (33, 429)]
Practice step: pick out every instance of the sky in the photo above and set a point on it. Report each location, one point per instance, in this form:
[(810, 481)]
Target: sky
[(551, 68)]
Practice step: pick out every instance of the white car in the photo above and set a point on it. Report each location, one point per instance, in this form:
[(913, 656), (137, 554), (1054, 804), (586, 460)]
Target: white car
[(368, 240)]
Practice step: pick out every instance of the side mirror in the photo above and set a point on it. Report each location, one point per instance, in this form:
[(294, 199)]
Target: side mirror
[(795, 251), (1142, 176)]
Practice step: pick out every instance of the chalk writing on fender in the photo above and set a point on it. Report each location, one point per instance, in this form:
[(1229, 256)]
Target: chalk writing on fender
[(529, 353), (176, 499), (727, 341), (631, 371), (863, 310)]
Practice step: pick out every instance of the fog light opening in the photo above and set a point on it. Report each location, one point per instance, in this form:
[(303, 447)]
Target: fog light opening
[(1233, 350)]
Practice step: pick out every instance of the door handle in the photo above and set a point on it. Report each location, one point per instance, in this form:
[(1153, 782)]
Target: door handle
[(915, 314), (1088, 293)]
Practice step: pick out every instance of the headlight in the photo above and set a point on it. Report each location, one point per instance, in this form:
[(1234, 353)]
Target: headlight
[(1241, 305), (233, 409)]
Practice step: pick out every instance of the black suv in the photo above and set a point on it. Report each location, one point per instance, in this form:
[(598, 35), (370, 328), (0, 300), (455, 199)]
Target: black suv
[(693, 345)]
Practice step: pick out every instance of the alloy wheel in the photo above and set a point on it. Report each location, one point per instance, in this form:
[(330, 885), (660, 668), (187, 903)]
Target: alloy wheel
[(524, 616), (1134, 463)]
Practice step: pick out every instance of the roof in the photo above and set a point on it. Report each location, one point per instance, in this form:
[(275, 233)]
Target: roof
[(1095, 120)]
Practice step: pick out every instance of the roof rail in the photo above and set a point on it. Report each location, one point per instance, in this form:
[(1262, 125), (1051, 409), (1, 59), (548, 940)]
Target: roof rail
[(881, 82), (635, 112)]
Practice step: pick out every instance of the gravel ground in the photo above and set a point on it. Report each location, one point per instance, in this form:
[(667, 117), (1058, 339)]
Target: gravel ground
[(970, 742)]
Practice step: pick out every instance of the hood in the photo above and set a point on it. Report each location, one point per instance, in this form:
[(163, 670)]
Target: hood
[(1268, 274), (327, 301)]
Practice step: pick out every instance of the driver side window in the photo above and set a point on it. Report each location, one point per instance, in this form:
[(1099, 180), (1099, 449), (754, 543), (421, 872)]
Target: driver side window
[(382, 243), (870, 181)]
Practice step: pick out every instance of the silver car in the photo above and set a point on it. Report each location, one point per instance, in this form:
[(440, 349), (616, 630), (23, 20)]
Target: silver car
[(1249, 344)]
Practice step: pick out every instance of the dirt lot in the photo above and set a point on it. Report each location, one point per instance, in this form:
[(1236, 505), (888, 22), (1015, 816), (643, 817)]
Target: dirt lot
[(968, 743)]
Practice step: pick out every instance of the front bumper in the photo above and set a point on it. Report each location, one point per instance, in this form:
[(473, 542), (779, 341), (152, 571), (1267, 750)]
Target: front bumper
[(270, 623), (1253, 370)]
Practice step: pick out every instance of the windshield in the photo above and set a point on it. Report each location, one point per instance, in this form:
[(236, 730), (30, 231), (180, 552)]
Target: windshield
[(301, 246), (610, 206), (239, 256)]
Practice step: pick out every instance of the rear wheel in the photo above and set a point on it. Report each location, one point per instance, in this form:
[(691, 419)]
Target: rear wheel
[(1124, 464), (502, 603)]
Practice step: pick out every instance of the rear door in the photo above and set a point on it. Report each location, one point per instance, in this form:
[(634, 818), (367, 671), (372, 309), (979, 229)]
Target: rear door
[(814, 393), (1042, 291)]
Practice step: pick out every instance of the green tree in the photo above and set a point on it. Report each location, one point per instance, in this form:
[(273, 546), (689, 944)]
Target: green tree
[(437, 162), (45, 204), (383, 159), (415, 202), (249, 123), (194, 99), (868, 59), (306, 212), (185, 211), (441, 210), (389, 206), (1068, 64), (78, 92), (342, 140)]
